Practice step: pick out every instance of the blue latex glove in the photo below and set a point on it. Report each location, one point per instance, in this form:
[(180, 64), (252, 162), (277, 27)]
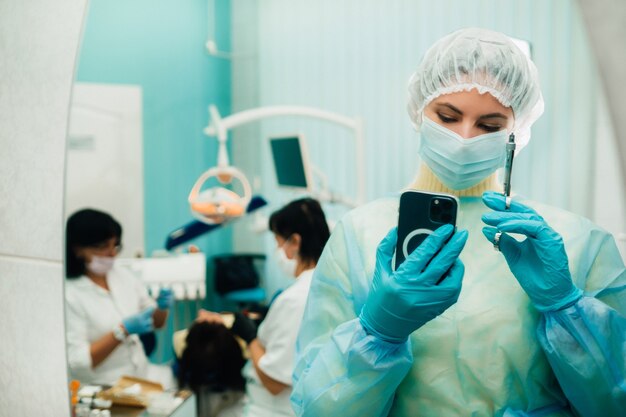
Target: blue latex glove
[(140, 323), (400, 302), (539, 263), (165, 299)]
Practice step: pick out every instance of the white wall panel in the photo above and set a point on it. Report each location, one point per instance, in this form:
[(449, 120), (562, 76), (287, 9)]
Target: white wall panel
[(38, 50), (33, 368), (610, 176), (38, 46)]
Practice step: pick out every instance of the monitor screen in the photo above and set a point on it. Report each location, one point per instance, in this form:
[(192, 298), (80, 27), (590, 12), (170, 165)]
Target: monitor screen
[(290, 162)]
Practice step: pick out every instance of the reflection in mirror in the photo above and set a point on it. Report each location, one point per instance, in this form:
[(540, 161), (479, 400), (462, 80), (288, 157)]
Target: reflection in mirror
[(135, 148), (144, 83)]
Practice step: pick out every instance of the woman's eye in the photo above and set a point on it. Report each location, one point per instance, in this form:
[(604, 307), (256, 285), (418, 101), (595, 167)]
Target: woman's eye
[(490, 128), (446, 119)]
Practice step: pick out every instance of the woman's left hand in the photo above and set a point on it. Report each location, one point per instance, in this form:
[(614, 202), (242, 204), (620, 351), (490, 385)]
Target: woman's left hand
[(539, 262), (165, 299)]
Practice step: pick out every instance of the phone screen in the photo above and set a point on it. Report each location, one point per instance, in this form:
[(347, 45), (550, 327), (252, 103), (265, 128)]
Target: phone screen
[(420, 214)]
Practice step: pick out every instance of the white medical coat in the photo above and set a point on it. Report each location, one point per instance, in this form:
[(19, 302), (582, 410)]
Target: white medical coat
[(278, 334), (91, 312)]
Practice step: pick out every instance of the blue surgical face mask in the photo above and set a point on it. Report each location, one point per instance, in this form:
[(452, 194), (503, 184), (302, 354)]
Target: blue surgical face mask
[(461, 163)]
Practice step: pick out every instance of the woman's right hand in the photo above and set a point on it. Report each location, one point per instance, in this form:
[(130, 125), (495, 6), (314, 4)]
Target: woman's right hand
[(423, 287)]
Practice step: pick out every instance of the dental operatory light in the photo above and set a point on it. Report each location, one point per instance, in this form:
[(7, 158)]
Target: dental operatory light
[(218, 204), (219, 127)]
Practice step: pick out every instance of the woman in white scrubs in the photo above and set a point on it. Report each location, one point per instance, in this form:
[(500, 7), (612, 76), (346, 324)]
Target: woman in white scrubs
[(106, 307), (301, 232)]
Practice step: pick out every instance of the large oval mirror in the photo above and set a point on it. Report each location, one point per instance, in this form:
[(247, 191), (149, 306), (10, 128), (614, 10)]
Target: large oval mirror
[(146, 77), (144, 82)]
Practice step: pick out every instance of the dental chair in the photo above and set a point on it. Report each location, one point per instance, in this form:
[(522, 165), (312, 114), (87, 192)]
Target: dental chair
[(237, 279)]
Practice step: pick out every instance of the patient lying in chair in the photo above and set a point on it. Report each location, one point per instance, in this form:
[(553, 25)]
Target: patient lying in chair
[(211, 354)]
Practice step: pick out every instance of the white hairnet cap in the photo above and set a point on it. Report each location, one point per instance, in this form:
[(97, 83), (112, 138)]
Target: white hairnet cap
[(484, 60)]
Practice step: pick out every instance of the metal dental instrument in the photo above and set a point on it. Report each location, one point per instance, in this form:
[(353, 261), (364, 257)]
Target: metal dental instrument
[(508, 168)]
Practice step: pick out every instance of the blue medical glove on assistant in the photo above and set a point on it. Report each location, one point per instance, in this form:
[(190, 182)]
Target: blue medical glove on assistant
[(539, 262), (402, 301), (140, 323), (165, 299)]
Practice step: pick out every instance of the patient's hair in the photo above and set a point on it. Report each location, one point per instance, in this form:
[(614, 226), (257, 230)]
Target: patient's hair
[(212, 357)]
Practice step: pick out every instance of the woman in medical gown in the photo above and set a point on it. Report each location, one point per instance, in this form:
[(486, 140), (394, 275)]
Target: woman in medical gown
[(534, 329)]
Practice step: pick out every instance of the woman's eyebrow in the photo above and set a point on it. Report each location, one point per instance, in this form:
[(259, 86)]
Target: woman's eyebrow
[(451, 107), (493, 115), (484, 116)]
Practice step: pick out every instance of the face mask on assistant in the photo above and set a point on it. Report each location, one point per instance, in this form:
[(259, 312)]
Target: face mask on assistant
[(100, 265), (288, 266), (461, 163)]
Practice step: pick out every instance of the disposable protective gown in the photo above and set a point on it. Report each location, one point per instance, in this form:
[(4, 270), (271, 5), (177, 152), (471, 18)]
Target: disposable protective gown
[(490, 354)]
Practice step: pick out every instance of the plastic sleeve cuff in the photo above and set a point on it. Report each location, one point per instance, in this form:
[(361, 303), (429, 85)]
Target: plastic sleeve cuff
[(563, 304)]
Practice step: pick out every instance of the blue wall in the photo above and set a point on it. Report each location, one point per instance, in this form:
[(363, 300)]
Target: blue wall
[(159, 45)]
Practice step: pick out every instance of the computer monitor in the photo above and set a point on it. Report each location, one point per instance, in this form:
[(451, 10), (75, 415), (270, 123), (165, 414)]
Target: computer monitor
[(291, 162)]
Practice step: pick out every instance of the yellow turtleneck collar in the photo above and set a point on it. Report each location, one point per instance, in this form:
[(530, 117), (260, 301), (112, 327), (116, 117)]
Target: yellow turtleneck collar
[(427, 181)]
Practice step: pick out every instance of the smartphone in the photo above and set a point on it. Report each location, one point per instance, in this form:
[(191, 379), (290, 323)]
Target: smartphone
[(420, 214)]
